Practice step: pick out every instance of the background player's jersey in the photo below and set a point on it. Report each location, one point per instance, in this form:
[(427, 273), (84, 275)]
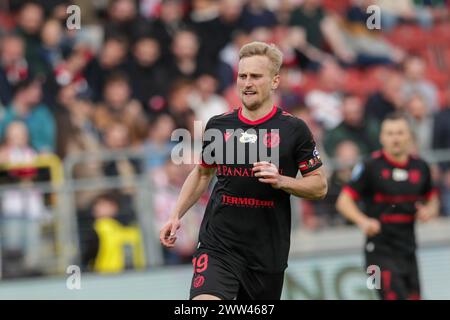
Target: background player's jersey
[(245, 218), (389, 191)]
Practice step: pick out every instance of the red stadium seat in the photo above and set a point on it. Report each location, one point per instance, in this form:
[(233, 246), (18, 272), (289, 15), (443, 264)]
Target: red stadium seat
[(6, 21), (339, 6), (442, 97), (408, 37), (309, 82), (439, 78)]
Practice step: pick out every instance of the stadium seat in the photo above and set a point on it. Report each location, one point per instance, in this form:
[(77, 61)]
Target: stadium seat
[(339, 6), (408, 37)]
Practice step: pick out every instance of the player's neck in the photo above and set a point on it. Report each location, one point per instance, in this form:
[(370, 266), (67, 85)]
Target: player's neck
[(258, 113), (398, 158)]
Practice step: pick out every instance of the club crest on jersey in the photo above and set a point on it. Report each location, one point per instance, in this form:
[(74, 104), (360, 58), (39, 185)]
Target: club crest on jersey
[(399, 174), (414, 176), (271, 140), (248, 137)]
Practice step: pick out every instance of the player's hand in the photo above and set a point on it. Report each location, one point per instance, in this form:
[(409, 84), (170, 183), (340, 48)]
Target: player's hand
[(370, 227), (167, 235), (267, 173), (422, 213)]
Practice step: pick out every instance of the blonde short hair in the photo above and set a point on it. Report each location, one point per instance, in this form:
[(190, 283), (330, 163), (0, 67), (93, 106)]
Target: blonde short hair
[(258, 48)]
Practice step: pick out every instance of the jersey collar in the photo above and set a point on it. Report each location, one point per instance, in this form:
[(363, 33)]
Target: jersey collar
[(393, 162), (259, 121)]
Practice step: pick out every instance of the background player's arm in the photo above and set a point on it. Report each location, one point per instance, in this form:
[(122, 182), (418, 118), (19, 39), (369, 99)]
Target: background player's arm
[(195, 185), (349, 209), (313, 185), (429, 210)]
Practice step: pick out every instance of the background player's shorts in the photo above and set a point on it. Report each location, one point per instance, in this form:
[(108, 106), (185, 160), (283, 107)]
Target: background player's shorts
[(399, 276), (216, 276)]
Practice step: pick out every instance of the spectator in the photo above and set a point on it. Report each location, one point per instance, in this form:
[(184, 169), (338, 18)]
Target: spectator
[(228, 57), (105, 243), (70, 70), (362, 132), (325, 101), (421, 123), (213, 24), (346, 156), (74, 118), (310, 17), (204, 100), (288, 90), (126, 168), (386, 100), (111, 59), (13, 66), (395, 12), (29, 24), (168, 181), (313, 32), (22, 210), (283, 9), (186, 60), (230, 53), (204, 21), (54, 45), (118, 106), (255, 14), (169, 22), (125, 21), (55, 9), (78, 135), (178, 103), (361, 46), (148, 77), (158, 146), (230, 12), (117, 139), (26, 106), (415, 82)]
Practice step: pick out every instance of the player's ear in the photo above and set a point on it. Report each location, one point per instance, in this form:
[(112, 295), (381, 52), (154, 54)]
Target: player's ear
[(275, 81)]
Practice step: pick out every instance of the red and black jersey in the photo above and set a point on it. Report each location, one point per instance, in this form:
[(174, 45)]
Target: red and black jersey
[(249, 220), (390, 191)]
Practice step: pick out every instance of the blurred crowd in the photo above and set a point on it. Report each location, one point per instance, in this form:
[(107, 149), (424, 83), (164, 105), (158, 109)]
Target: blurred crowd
[(136, 70)]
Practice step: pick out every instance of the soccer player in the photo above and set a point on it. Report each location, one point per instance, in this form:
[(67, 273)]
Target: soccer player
[(244, 237), (396, 189)]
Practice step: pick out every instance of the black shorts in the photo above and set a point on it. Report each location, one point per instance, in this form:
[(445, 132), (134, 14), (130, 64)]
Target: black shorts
[(215, 275), (399, 275)]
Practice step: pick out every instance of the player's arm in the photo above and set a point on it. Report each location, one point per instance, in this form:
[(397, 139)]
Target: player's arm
[(195, 185), (429, 210), (347, 207), (311, 186)]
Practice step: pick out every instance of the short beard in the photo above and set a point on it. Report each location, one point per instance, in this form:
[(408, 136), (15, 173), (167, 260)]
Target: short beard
[(253, 106)]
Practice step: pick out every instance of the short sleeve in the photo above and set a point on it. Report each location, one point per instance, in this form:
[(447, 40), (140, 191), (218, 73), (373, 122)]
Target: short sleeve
[(359, 183), (306, 154), (428, 188)]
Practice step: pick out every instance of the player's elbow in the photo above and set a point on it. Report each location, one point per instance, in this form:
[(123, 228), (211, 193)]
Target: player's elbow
[(321, 191), (342, 202), (338, 204)]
